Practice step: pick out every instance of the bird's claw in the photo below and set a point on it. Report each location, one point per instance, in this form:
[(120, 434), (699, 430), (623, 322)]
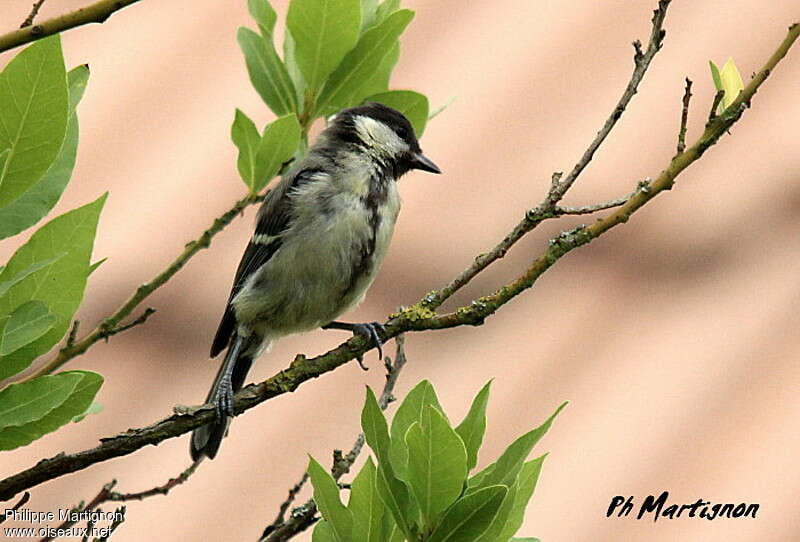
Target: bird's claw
[(370, 332), (223, 400)]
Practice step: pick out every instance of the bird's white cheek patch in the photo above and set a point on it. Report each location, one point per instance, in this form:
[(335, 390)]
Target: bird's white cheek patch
[(379, 135)]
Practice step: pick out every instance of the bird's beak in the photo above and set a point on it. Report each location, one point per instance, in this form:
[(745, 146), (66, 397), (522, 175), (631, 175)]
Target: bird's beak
[(420, 161)]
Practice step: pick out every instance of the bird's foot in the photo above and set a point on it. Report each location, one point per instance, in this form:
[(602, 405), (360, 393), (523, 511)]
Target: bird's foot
[(370, 332), (223, 399)]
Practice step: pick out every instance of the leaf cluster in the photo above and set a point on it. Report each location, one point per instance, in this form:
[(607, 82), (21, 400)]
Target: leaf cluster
[(43, 283), (421, 486), (336, 54)]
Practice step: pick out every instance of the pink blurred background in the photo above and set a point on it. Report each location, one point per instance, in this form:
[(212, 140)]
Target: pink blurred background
[(675, 336)]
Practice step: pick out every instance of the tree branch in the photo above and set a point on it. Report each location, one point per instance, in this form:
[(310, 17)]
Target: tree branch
[(25, 498), (32, 15), (100, 498), (94, 13), (111, 325), (419, 317), (687, 96), (641, 62), (158, 490), (558, 188)]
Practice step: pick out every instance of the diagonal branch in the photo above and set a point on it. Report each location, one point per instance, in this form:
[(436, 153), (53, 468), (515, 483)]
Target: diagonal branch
[(112, 325), (560, 187), (687, 96), (641, 60), (32, 15), (94, 13), (416, 318)]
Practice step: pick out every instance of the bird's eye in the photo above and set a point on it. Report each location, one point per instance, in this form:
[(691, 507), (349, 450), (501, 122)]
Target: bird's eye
[(402, 131)]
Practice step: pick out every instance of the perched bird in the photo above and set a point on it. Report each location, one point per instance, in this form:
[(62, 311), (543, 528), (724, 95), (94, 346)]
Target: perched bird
[(321, 235)]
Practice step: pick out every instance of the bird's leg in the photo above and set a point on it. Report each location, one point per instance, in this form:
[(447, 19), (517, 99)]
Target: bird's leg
[(370, 332), (223, 397)]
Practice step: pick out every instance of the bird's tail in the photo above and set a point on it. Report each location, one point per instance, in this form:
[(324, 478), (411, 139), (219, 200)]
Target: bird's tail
[(206, 439)]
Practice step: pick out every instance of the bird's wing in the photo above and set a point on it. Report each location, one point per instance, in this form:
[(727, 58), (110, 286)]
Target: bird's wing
[(273, 219)]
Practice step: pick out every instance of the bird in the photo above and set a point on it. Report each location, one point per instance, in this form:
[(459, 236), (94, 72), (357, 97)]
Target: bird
[(320, 237)]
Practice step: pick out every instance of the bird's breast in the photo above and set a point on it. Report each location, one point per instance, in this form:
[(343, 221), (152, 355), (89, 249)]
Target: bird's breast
[(329, 258)]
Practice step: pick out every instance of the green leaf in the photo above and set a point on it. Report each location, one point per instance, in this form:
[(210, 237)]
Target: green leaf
[(264, 15), (373, 423), (94, 408), (392, 491), (728, 79), (345, 87), (75, 404), (411, 104), (277, 145), (267, 72), (470, 516), (472, 428), (433, 114), (37, 201), (77, 79), (505, 470), (326, 497), (715, 75), (27, 323), (395, 496), (437, 464), (323, 31), (24, 402), (369, 10), (323, 532), (393, 532), (525, 486), (386, 8), (21, 275), (34, 109), (731, 82), (96, 264), (411, 410), (290, 61), (60, 285), (246, 138), (492, 532), (366, 506), (527, 539), (378, 82)]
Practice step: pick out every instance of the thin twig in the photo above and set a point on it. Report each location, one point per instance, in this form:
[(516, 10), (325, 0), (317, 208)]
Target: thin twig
[(107, 494), (280, 519), (641, 62), (100, 498), (589, 209), (418, 317), (687, 96), (32, 15), (119, 519), (93, 13), (89, 528), (559, 188), (109, 332), (158, 490), (712, 114), (304, 516), (112, 323), (25, 498)]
